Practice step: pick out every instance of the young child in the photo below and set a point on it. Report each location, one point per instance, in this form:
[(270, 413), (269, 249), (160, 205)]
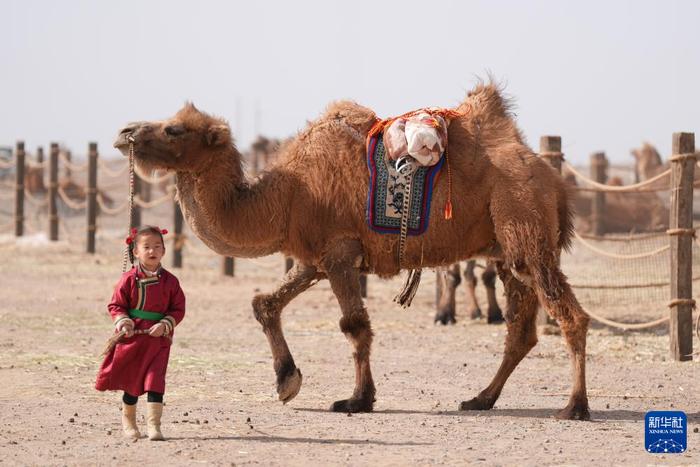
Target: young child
[(146, 306)]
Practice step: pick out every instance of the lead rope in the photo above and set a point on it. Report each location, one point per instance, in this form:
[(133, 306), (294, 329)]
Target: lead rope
[(406, 167), (127, 251)]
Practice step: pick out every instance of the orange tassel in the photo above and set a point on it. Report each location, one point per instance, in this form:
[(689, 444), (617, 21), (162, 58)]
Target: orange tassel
[(448, 210), (448, 204)]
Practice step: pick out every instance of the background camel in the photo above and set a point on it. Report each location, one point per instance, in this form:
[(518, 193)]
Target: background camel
[(647, 162), (510, 206), (623, 213), (448, 281), (77, 193), (263, 152)]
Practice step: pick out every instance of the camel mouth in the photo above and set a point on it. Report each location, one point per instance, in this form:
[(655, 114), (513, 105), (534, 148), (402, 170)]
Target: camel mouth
[(122, 144), (127, 135), (124, 139)]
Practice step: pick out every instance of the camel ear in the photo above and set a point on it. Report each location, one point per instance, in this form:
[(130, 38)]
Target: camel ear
[(218, 135)]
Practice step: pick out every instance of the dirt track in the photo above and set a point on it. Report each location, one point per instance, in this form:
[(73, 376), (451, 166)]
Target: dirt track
[(221, 402)]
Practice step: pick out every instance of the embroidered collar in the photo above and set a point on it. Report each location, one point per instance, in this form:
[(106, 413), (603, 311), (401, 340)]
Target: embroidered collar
[(142, 272)]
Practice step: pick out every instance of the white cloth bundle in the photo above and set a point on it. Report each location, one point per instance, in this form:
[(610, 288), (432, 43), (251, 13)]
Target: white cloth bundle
[(422, 136), (395, 139)]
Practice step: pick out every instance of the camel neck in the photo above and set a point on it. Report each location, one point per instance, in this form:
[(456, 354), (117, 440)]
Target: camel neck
[(231, 215)]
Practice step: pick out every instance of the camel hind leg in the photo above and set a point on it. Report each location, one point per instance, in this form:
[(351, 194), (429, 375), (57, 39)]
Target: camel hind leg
[(521, 314), (268, 309), (557, 298), (540, 269)]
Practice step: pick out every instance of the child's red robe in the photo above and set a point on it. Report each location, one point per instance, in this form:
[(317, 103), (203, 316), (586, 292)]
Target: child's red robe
[(138, 364)]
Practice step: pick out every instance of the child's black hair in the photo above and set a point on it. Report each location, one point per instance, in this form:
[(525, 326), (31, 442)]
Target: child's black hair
[(143, 230)]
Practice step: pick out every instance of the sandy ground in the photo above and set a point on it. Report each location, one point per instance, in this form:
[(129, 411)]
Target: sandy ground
[(221, 405)]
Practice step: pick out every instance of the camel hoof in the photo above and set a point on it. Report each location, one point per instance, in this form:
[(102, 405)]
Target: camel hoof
[(289, 387), (353, 405), (574, 412), (445, 317), (495, 316), (476, 313), (476, 404)]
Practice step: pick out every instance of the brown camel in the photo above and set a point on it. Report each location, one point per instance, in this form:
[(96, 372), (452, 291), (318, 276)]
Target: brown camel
[(509, 206)]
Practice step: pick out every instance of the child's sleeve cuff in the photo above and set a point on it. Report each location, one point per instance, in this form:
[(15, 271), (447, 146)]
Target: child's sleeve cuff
[(123, 321)]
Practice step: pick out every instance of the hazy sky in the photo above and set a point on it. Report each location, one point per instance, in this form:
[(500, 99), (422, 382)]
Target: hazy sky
[(605, 75)]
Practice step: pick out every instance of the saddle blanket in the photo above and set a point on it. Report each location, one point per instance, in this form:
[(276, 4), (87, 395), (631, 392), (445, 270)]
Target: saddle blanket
[(386, 192)]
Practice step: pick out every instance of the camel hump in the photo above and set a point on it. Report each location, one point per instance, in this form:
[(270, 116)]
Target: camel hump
[(486, 100), (488, 114), (351, 113)]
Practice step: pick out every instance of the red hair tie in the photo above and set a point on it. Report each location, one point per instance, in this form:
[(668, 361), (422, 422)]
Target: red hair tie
[(132, 235)]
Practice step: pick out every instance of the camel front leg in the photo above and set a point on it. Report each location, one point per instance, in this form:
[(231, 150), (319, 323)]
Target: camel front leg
[(341, 264), (268, 309)]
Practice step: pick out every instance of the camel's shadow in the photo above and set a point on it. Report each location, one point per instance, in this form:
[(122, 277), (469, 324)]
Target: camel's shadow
[(285, 439), (539, 413)]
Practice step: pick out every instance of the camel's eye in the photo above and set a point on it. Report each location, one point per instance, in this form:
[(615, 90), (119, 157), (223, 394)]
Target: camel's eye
[(174, 130)]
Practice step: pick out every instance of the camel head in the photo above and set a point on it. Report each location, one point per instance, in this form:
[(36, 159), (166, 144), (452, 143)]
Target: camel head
[(187, 142), (647, 158)]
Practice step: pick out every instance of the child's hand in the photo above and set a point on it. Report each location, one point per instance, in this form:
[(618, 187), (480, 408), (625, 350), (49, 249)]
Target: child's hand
[(157, 330), (128, 327)]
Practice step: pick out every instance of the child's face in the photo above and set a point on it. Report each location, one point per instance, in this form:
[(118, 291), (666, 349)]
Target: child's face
[(149, 250)]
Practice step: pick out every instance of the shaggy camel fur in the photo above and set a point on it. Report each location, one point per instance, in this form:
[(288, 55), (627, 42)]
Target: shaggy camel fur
[(509, 206)]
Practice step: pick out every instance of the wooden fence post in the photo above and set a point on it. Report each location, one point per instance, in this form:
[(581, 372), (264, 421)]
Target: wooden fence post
[(91, 197), (599, 166), (177, 239), (19, 189), (135, 219), (550, 150), (40, 160), (53, 191), (681, 230), (228, 266)]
